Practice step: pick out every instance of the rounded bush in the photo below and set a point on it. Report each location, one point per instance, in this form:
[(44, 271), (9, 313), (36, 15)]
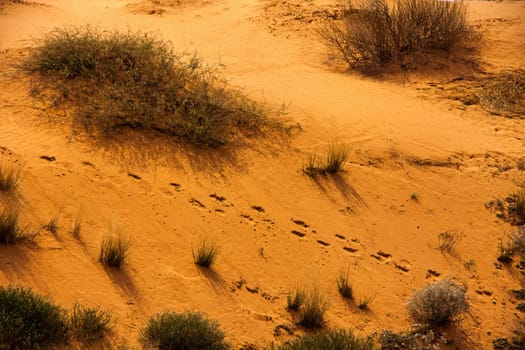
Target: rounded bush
[(438, 303), (30, 321), (183, 331)]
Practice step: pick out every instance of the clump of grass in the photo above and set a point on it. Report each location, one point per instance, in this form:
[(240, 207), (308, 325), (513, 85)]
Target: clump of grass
[(30, 321), (311, 314), (343, 285), (448, 240), (330, 162), (10, 231), (295, 299), (115, 80), (188, 330), (365, 301), (205, 253), (114, 250), (52, 225), (438, 303), (77, 227), (9, 176), (504, 93), (517, 207), (90, 325), (514, 245), (331, 339), (374, 33)]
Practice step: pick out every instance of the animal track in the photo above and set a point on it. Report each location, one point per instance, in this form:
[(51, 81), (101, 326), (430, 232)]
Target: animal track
[(350, 249), (197, 203), (298, 233), (323, 243), (48, 158), (135, 176), (258, 208), (300, 223), (217, 197)]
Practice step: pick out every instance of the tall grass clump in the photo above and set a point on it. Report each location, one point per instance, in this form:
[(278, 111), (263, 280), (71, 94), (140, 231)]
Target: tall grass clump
[(184, 331), (343, 285), (114, 250), (295, 299), (336, 339), (438, 303), (331, 161), (206, 252), (30, 321), (10, 231), (90, 325), (311, 314), (9, 176), (115, 80), (378, 32)]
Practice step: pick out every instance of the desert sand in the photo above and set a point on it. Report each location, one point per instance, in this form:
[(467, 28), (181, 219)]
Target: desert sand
[(253, 198)]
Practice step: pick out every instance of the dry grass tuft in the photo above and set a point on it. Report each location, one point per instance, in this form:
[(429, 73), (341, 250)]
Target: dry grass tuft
[(504, 93), (206, 253), (9, 177), (330, 162), (114, 250)]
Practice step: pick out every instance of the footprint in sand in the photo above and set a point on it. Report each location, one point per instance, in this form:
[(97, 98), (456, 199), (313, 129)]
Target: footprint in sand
[(258, 208), (177, 186), (323, 243), (135, 176), (197, 203), (48, 158), (298, 233)]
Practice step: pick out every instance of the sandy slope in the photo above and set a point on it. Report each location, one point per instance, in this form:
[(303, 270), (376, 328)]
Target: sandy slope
[(389, 126)]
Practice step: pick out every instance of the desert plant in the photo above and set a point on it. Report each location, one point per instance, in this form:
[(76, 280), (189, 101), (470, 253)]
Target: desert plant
[(311, 314), (10, 231), (504, 93), (378, 32), (52, 225), (114, 250), (205, 253), (30, 321), (335, 339), (77, 227), (89, 325), (438, 303), (331, 161), (343, 285), (184, 331), (9, 176), (115, 80), (517, 207), (295, 299), (448, 240), (365, 301)]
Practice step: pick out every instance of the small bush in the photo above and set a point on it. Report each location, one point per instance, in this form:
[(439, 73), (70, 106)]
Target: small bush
[(9, 176), (343, 285), (379, 32), (206, 253), (30, 321), (448, 241), (10, 231), (504, 93), (114, 80), (517, 207), (295, 299), (114, 250), (90, 325), (337, 339), (311, 314), (184, 331), (438, 303), (330, 162)]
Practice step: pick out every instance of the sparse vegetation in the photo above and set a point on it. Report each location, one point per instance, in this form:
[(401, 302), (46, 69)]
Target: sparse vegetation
[(365, 301), (206, 252), (114, 250), (311, 314), (10, 231), (90, 325), (343, 285), (295, 299), (504, 93), (415, 197), (52, 225), (438, 303), (9, 176), (517, 206), (77, 227), (30, 321), (330, 162), (375, 33), (448, 241), (336, 339), (188, 330), (115, 80), (514, 245)]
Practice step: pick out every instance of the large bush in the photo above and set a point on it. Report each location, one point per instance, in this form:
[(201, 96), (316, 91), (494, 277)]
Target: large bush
[(113, 80), (30, 321), (183, 331), (438, 303), (381, 31)]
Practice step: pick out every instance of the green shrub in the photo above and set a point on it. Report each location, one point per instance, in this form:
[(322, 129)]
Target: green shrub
[(9, 176), (438, 303), (311, 314), (115, 80), (10, 231), (330, 162), (183, 331), (114, 250), (378, 32), (206, 253), (337, 339), (90, 325), (30, 321)]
